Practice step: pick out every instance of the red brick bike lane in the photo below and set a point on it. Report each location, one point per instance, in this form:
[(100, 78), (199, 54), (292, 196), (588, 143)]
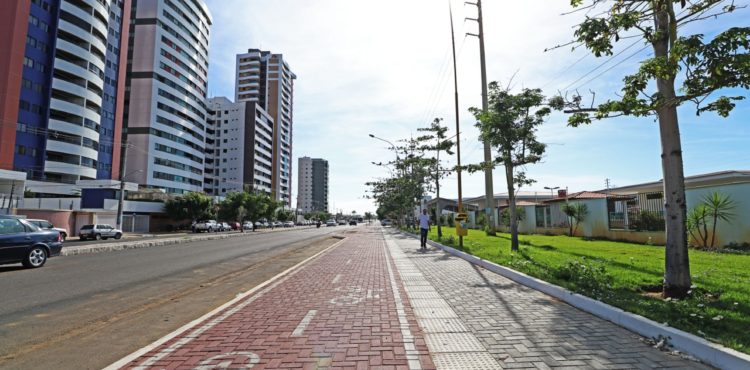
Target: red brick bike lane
[(345, 308)]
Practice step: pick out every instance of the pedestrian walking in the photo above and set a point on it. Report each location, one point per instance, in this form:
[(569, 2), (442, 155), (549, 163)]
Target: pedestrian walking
[(424, 228)]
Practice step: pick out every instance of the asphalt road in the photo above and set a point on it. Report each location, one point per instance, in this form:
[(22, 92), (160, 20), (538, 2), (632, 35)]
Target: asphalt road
[(87, 311)]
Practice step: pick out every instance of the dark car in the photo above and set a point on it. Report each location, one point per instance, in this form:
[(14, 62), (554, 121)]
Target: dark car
[(21, 241), (352, 222)]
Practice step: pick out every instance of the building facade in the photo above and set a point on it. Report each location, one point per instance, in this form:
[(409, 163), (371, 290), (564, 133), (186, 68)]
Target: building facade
[(266, 79), (63, 95), (312, 185), (167, 86), (239, 141)]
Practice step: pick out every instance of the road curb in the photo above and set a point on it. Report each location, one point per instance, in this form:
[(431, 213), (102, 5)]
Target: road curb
[(259, 288), (74, 251), (708, 352)]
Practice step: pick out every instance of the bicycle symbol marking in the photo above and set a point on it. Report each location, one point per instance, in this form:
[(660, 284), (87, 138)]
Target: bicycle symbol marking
[(353, 295), (231, 360)]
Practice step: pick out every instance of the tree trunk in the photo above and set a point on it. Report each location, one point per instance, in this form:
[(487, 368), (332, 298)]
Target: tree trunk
[(677, 265), (512, 208)]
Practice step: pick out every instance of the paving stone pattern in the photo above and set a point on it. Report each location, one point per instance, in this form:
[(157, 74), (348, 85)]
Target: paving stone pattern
[(338, 311), (521, 327)]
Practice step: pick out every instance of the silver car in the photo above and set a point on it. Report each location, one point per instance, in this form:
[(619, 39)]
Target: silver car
[(46, 225), (99, 232)]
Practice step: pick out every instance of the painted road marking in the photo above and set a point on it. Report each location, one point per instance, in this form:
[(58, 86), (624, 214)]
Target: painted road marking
[(336, 279), (263, 288), (412, 355), (303, 324), (244, 360), (348, 261)]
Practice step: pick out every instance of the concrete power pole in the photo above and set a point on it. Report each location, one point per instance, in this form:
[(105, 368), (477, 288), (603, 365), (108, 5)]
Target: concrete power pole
[(489, 193)]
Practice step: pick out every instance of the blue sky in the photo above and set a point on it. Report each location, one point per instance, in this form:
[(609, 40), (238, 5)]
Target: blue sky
[(383, 67)]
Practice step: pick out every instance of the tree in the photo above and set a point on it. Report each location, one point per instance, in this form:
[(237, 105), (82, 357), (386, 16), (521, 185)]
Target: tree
[(233, 206), (436, 133), (284, 215), (702, 67), (509, 126), (191, 206), (576, 213)]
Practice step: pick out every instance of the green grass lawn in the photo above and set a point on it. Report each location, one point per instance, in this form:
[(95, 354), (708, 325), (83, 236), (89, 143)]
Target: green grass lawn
[(623, 274)]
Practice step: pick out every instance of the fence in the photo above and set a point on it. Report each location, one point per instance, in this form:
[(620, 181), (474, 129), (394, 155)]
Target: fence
[(638, 212)]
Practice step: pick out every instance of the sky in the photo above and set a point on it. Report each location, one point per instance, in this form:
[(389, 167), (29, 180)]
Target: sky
[(383, 67)]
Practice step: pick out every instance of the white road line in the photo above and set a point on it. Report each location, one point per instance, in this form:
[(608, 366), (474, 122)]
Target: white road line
[(303, 324), (266, 286), (336, 279), (348, 261), (412, 355)]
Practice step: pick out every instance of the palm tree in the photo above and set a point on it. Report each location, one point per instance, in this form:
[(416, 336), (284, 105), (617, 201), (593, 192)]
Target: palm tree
[(719, 207)]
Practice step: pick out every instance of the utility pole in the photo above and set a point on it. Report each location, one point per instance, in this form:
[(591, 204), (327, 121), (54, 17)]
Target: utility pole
[(489, 194), (458, 128), (121, 198)]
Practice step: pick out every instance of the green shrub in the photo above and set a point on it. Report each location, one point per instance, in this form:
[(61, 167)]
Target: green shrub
[(586, 277)]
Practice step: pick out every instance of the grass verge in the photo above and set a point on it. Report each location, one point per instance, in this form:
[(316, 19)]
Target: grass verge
[(629, 276)]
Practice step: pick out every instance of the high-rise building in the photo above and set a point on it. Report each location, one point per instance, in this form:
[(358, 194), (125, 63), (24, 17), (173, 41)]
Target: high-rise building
[(266, 79), (166, 102), (239, 140), (62, 87), (312, 185)]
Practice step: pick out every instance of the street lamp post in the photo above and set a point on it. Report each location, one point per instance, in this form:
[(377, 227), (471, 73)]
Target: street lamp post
[(552, 190), (121, 199)]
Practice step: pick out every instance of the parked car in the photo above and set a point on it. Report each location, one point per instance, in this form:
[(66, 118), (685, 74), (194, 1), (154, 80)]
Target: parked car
[(225, 226), (385, 222), (342, 222), (277, 224), (331, 223), (46, 225), (205, 225), (352, 222), (99, 232), (248, 225), (289, 224), (22, 241), (235, 225)]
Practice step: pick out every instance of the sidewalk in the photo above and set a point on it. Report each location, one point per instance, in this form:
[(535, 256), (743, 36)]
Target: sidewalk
[(374, 301)]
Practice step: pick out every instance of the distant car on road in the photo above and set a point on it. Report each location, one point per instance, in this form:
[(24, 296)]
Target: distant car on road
[(22, 241), (99, 232), (352, 222), (289, 224), (385, 222), (46, 225), (205, 225), (342, 222), (331, 223), (248, 225), (224, 226)]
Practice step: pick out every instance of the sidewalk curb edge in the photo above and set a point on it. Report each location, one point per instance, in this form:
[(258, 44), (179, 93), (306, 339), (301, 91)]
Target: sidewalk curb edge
[(708, 352)]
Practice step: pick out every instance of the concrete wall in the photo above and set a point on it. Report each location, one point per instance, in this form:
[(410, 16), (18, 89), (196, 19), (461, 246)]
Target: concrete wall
[(736, 231)]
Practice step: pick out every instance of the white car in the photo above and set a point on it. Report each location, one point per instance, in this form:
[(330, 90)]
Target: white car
[(247, 225), (46, 225), (99, 232)]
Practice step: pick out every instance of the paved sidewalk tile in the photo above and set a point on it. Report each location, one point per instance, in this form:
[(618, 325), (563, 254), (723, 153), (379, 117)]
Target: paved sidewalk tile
[(345, 309), (520, 327)]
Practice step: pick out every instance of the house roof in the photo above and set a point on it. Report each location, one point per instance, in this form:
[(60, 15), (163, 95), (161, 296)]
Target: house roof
[(526, 194), (583, 195), (520, 203), (695, 181)]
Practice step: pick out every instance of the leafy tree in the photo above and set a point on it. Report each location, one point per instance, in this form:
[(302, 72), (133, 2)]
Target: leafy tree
[(436, 141), (284, 215), (368, 216), (697, 225), (702, 67), (229, 208), (576, 213), (509, 125), (505, 215), (191, 206)]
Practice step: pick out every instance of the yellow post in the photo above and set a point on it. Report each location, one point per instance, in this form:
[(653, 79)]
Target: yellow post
[(460, 221)]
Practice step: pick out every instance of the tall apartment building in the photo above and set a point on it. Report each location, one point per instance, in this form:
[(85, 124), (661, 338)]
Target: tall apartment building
[(166, 102), (62, 88), (239, 140), (266, 79), (312, 185)]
